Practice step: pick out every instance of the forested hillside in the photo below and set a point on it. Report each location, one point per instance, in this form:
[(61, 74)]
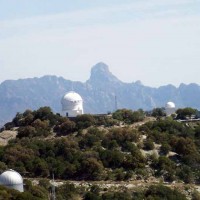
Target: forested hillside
[(126, 146)]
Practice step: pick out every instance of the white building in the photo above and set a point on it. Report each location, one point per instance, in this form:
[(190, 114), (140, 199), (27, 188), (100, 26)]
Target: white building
[(170, 108), (12, 179), (72, 104)]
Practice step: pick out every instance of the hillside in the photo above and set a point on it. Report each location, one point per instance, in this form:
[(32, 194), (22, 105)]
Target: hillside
[(98, 92), (124, 152)]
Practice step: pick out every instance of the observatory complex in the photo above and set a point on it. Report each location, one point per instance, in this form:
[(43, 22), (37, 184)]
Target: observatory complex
[(72, 104), (12, 179), (170, 108)]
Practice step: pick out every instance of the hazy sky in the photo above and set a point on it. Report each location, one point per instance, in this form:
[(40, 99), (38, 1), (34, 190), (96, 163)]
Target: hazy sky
[(155, 41)]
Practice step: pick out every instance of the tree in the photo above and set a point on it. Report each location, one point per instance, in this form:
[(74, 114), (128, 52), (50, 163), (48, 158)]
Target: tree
[(167, 168), (160, 192), (92, 169), (122, 135), (67, 191), (197, 131), (45, 113), (16, 120), (185, 173), (16, 154), (42, 127), (158, 112), (185, 112), (128, 116), (84, 121), (148, 144), (27, 131), (112, 158), (92, 196), (117, 196), (65, 128), (2, 166), (41, 168), (165, 148), (185, 146)]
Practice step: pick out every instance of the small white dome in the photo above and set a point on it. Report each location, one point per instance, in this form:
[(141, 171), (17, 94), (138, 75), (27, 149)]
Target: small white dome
[(170, 105), (10, 177), (170, 108)]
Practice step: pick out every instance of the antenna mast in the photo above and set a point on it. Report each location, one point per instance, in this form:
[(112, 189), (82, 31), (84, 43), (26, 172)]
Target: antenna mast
[(116, 103), (53, 190)]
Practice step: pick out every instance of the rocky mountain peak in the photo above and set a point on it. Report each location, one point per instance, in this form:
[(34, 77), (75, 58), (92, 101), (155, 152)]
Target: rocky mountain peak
[(100, 72), (100, 67)]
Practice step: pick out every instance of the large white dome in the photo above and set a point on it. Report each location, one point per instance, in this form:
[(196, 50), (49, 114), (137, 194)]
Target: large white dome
[(12, 179), (72, 104), (170, 105), (71, 97)]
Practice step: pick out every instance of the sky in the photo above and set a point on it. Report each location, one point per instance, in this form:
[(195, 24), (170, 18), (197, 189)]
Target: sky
[(154, 41)]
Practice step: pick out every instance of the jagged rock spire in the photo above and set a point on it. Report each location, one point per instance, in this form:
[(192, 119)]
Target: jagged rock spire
[(100, 73)]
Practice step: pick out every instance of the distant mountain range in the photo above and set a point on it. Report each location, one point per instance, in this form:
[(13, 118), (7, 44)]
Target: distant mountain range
[(103, 92)]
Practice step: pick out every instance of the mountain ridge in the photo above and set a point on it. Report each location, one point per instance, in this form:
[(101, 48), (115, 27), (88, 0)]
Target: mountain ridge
[(99, 93)]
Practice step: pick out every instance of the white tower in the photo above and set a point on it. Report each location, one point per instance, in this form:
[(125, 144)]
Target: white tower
[(12, 179), (170, 108), (72, 104)]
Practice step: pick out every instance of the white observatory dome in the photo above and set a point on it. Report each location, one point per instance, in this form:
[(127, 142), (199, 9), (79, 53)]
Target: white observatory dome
[(72, 104), (170, 108), (12, 179), (170, 105)]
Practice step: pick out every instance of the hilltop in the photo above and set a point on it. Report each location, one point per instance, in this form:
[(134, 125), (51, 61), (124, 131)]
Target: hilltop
[(117, 152)]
